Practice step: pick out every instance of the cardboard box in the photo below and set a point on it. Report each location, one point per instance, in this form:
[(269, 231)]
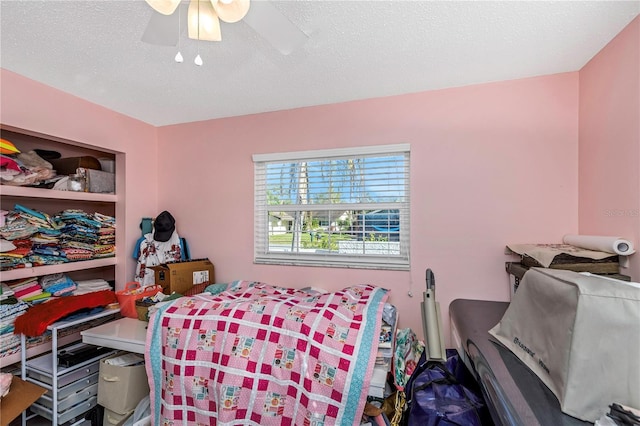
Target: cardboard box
[(120, 388), (181, 276), (69, 165), (21, 395)]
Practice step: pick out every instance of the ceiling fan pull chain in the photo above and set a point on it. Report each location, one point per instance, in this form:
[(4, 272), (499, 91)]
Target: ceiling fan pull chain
[(179, 59), (198, 59)]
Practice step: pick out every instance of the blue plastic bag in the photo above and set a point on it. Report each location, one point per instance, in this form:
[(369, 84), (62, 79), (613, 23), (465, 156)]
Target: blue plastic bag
[(437, 395)]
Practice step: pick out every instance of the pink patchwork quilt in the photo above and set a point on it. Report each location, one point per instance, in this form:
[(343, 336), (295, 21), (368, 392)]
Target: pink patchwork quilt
[(256, 354)]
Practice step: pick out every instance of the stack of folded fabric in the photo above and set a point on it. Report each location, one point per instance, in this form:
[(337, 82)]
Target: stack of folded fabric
[(33, 238), (16, 227), (5, 291), (79, 234), (89, 286), (26, 289), (42, 221), (35, 235), (10, 309), (6, 246), (106, 244), (18, 256), (45, 243), (379, 377), (58, 284), (15, 244)]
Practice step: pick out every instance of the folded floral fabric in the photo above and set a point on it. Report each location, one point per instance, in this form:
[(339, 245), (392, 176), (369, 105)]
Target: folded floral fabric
[(42, 239), (40, 259), (8, 343), (47, 250), (17, 228), (104, 250), (53, 279), (57, 284), (77, 254), (18, 252), (10, 312), (65, 291)]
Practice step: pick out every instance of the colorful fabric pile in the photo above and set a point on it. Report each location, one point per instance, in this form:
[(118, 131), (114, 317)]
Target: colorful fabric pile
[(26, 289), (22, 168), (58, 285), (37, 238), (10, 309), (79, 235), (17, 296)]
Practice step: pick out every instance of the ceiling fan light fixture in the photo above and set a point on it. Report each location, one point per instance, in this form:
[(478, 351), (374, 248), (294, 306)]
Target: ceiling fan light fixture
[(231, 10), (179, 59), (166, 7), (203, 22)]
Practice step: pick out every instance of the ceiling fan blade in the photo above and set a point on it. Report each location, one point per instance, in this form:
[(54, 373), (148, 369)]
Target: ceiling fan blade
[(166, 7), (203, 23), (162, 29), (273, 26), (231, 11)]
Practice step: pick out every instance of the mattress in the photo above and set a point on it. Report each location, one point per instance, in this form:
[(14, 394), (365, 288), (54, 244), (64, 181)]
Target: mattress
[(514, 394)]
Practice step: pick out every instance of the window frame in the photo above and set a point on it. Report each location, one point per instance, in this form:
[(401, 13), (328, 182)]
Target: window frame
[(262, 255)]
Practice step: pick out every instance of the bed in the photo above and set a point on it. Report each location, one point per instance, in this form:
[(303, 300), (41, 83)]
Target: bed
[(257, 354)]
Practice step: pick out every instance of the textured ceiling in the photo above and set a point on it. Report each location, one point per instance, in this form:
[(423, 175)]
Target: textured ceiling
[(355, 50)]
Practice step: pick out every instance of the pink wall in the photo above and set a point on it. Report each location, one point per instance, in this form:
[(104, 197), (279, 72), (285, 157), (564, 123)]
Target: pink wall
[(609, 149), (491, 164), (32, 106)]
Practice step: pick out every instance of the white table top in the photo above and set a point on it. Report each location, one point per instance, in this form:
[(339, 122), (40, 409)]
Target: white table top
[(127, 334)]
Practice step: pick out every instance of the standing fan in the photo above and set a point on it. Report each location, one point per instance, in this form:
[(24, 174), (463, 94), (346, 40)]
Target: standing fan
[(204, 22)]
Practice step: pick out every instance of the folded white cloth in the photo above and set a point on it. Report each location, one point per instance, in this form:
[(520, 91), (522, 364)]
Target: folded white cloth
[(6, 245)]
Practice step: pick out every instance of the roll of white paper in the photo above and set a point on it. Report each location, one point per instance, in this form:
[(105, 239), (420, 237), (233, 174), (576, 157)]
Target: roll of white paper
[(614, 245)]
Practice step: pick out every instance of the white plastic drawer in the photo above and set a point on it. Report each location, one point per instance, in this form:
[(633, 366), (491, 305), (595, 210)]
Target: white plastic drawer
[(66, 379), (70, 400), (77, 410), (72, 413), (74, 387), (78, 397)]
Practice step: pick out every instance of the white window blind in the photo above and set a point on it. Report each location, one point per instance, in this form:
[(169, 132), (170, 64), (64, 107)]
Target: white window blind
[(341, 207)]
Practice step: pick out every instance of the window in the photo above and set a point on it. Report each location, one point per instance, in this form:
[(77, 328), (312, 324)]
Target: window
[(340, 207)]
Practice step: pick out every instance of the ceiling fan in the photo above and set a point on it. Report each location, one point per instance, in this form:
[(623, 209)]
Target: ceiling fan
[(204, 16)]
